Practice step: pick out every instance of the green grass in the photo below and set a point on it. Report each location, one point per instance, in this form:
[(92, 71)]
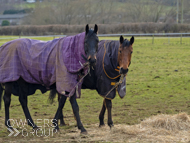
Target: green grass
[(24, 5), (158, 82)]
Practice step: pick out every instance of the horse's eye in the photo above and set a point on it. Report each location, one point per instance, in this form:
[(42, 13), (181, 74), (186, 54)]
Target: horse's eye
[(131, 52), (120, 51)]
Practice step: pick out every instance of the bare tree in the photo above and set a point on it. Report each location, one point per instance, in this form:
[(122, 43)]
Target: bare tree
[(103, 11), (6, 5), (145, 12)]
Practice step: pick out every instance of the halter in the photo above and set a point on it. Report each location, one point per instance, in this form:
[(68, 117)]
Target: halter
[(84, 57)]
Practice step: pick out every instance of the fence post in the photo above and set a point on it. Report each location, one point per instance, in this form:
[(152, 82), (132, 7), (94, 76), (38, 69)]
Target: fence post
[(153, 39), (181, 39), (168, 39)]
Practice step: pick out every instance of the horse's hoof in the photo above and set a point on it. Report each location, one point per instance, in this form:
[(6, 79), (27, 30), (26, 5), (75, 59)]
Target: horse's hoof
[(111, 125), (101, 125), (56, 130), (35, 128), (84, 132), (61, 124)]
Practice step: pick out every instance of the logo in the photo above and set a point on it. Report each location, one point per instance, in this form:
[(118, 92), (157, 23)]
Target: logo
[(46, 127), (12, 132)]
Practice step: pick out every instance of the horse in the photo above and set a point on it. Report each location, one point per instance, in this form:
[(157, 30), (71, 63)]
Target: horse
[(62, 61), (108, 76)]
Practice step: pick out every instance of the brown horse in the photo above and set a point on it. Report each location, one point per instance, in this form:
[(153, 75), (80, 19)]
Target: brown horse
[(123, 60), (113, 60)]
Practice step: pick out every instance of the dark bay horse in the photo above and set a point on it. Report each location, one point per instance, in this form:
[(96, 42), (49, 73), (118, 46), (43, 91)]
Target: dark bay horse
[(60, 61), (113, 60)]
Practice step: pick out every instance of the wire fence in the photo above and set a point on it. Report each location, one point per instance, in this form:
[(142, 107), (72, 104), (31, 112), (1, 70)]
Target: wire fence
[(177, 38), (156, 38)]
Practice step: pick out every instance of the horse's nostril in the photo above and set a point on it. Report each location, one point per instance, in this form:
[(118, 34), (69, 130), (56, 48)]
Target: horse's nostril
[(123, 71), (92, 61)]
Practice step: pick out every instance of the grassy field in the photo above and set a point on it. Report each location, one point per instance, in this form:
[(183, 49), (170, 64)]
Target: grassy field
[(158, 82)]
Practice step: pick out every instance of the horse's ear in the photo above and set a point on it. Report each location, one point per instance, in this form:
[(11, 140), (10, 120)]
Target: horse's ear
[(87, 29), (95, 29), (121, 39), (132, 40)]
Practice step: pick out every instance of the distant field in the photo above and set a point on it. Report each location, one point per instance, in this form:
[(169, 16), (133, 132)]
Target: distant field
[(158, 82)]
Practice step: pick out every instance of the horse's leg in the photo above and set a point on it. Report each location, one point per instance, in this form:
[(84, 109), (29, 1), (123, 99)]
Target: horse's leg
[(7, 101), (101, 115), (59, 110), (75, 108), (23, 90), (109, 106), (62, 122)]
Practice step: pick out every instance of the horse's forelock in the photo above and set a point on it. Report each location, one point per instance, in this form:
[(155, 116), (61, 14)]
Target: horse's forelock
[(126, 43), (90, 33)]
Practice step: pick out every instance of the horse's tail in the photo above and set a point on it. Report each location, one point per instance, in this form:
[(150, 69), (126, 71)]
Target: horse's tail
[(1, 93), (52, 95)]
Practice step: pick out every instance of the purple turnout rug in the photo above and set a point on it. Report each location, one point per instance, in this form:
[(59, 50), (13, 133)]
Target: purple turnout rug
[(44, 63)]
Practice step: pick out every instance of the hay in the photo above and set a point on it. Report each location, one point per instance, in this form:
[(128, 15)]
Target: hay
[(166, 128), (159, 128), (176, 122)]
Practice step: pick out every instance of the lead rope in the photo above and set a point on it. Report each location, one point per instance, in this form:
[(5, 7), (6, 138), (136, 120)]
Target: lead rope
[(76, 86), (116, 84)]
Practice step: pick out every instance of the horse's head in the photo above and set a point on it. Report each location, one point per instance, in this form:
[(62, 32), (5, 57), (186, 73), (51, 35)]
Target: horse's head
[(91, 44), (125, 54)]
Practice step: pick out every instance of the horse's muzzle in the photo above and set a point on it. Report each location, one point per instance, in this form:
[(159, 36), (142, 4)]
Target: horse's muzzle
[(92, 61), (123, 71)]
